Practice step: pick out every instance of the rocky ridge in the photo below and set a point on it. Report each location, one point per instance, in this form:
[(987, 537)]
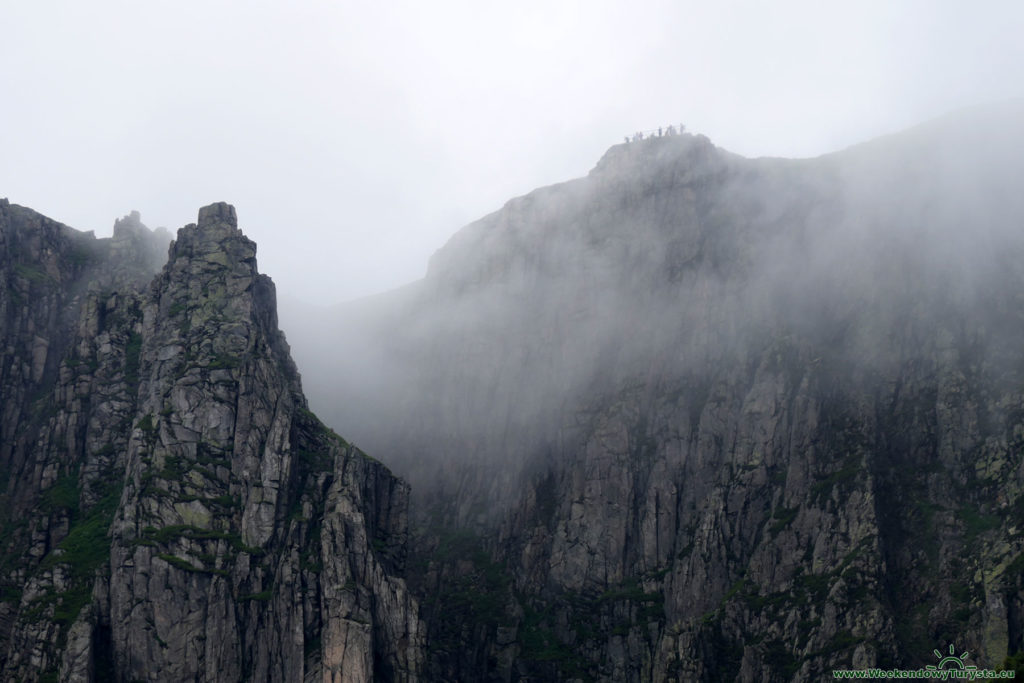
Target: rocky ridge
[(186, 516), (700, 417)]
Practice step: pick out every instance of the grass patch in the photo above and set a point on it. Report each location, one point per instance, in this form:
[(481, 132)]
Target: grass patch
[(147, 425), (165, 535), (86, 546), (821, 491), (132, 355), (79, 255), (840, 641), (83, 551), (187, 566), (262, 596), (223, 361), (977, 523), (777, 657), (783, 518), (316, 460), (64, 493), (632, 591), (33, 274)]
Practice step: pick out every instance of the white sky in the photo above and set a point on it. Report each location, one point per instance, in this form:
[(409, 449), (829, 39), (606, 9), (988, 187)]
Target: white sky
[(355, 138)]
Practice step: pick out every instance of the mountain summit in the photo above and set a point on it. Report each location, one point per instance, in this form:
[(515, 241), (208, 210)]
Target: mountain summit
[(173, 511), (704, 417)]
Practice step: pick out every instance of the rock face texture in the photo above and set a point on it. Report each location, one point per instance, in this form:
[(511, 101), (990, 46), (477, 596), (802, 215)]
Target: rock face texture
[(172, 511), (693, 417), (701, 417)]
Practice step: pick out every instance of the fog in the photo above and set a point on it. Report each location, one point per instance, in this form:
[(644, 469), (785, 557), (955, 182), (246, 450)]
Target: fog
[(677, 267), (355, 139)]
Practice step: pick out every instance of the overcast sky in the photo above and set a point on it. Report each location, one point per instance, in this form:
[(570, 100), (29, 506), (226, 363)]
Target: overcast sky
[(355, 138)]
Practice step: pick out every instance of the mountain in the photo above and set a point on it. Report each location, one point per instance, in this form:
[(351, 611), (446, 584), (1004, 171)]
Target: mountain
[(171, 510), (693, 417), (702, 417)]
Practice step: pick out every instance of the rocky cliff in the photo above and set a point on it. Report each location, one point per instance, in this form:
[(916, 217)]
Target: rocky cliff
[(171, 509), (701, 417), (692, 417)]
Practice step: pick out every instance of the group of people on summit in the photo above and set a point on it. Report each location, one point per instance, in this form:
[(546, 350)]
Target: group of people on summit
[(670, 130)]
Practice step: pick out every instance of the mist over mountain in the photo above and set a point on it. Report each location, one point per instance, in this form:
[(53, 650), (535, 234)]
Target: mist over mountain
[(693, 417), (669, 258), (713, 418)]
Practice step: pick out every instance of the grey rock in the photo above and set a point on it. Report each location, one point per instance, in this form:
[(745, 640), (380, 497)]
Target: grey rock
[(174, 510), (700, 417)]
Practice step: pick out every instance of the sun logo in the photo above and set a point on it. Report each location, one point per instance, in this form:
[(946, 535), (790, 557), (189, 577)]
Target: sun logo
[(951, 661)]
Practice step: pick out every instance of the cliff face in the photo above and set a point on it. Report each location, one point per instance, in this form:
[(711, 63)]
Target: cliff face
[(185, 516), (693, 417), (699, 417)]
